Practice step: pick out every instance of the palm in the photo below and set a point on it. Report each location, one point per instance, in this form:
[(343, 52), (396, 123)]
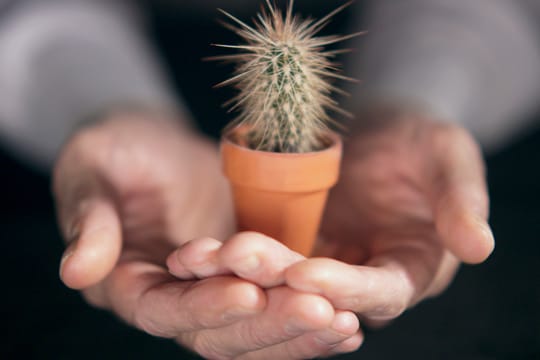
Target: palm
[(381, 207), (137, 188), (410, 204), (167, 189), (170, 192)]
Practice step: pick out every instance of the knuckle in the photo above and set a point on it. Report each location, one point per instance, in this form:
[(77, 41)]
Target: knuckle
[(243, 244), (81, 149), (89, 138), (79, 154), (247, 239), (448, 136), (248, 296), (444, 136)]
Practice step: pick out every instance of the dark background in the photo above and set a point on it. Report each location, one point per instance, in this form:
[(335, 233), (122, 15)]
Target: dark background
[(489, 312)]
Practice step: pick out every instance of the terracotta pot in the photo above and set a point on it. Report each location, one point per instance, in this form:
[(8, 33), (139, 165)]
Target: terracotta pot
[(280, 195)]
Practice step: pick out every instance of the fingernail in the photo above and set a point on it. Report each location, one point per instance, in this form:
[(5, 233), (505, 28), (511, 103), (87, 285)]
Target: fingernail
[(484, 228), (67, 254), (487, 232)]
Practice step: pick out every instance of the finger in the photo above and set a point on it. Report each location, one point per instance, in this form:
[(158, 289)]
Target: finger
[(96, 244), (381, 291), (249, 255), (458, 194), (197, 259), (152, 300), (87, 215), (443, 277), (258, 258), (288, 315), (342, 336)]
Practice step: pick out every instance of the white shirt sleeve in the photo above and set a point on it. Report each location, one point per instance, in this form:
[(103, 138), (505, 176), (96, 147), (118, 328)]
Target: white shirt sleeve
[(61, 61), (473, 62)]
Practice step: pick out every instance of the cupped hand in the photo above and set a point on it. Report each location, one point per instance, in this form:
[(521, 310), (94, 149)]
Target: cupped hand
[(411, 204), (135, 186), (264, 261)]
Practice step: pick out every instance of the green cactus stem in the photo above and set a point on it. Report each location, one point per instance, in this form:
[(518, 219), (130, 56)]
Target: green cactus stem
[(284, 77)]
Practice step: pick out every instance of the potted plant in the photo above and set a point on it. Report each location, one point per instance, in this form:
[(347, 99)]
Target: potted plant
[(280, 154)]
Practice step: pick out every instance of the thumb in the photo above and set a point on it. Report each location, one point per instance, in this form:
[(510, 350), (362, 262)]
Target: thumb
[(95, 244), (459, 197)]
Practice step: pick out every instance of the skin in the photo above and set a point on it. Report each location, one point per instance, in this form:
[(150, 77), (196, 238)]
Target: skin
[(136, 186), (146, 214), (411, 204)]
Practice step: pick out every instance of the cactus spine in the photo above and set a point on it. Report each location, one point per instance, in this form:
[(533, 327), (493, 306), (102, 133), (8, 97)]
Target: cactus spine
[(284, 80)]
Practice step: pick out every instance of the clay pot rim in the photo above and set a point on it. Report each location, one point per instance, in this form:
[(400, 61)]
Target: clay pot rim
[(281, 172), (332, 139)]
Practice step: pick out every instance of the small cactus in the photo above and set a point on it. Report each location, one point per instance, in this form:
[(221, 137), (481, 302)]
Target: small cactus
[(284, 79)]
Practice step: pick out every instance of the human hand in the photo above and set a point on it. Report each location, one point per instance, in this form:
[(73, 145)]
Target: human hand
[(264, 261), (411, 203), (134, 187)]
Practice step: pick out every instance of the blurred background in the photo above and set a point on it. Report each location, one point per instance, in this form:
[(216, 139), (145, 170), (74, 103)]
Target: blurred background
[(491, 311)]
